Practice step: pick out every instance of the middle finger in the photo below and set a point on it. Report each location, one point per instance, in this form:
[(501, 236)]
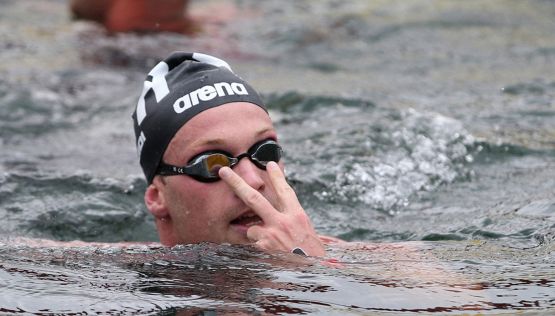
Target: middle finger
[(286, 196)]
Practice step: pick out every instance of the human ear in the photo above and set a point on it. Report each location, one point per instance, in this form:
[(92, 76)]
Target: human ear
[(155, 200)]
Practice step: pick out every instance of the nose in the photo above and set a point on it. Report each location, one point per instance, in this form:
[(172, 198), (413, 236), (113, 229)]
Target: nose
[(250, 173)]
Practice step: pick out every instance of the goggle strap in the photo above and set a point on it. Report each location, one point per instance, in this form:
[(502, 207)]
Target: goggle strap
[(194, 169)]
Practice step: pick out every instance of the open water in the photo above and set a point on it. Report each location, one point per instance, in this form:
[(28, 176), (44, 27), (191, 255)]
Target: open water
[(422, 131)]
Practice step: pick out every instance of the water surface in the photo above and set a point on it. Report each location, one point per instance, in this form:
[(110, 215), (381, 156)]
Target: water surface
[(421, 130)]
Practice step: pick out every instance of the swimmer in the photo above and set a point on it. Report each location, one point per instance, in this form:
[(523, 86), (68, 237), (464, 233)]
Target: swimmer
[(213, 161), (136, 15)]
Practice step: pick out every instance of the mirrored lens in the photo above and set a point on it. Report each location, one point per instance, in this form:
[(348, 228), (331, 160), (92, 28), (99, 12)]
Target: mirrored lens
[(267, 152), (214, 162)]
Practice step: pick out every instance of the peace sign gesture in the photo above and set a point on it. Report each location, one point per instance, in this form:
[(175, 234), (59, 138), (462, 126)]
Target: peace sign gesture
[(286, 226)]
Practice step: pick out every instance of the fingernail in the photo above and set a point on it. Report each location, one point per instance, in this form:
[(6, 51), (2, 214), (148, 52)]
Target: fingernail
[(224, 172), (272, 164)]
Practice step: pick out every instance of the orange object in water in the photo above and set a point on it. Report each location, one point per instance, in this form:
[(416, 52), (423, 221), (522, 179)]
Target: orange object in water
[(136, 15)]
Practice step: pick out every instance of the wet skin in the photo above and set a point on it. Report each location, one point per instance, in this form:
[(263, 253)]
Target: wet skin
[(248, 206)]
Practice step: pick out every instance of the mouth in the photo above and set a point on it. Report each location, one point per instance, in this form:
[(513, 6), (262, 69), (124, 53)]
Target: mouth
[(247, 220)]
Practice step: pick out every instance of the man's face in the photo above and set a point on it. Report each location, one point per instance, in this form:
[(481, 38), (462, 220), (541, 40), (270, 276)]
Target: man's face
[(194, 211)]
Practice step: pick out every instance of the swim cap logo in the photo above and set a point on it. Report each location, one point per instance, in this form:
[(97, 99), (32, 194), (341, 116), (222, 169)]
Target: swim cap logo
[(208, 93), (140, 142), (158, 84)]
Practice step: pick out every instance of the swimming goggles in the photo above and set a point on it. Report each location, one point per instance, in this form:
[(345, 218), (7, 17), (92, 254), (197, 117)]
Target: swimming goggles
[(204, 167)]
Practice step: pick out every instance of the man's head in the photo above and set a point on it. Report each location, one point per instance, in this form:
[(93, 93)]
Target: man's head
[(193, 106), (176, 90)]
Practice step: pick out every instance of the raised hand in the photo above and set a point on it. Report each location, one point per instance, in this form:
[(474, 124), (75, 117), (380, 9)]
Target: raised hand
[(286, 225)]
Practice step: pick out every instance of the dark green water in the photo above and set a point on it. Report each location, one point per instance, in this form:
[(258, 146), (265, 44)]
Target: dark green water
[(422, 130)]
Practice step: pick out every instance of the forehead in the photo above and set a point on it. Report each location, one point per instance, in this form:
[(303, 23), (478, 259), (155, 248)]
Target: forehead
[(230, 124)]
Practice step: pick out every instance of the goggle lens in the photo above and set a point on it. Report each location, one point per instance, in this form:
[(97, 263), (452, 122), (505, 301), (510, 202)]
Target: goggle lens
[(267, 152), (214, 162), (205, 167)]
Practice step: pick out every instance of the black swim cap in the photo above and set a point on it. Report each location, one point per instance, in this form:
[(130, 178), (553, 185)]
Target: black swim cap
[(177, 89)]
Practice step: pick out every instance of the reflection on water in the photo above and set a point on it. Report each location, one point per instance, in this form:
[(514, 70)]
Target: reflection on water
[(400, 277), (426, 127)]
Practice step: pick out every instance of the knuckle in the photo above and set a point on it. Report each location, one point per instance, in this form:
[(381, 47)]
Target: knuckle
[(252, 198), (302, 218), (276, 233), (235, 181), (285, 226), (286, 190), (273, 236)]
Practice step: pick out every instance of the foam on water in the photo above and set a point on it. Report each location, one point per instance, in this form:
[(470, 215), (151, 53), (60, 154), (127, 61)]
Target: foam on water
[(369, 158)]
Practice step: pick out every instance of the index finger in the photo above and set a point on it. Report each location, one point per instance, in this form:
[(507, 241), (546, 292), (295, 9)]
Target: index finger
[(252, 198)]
